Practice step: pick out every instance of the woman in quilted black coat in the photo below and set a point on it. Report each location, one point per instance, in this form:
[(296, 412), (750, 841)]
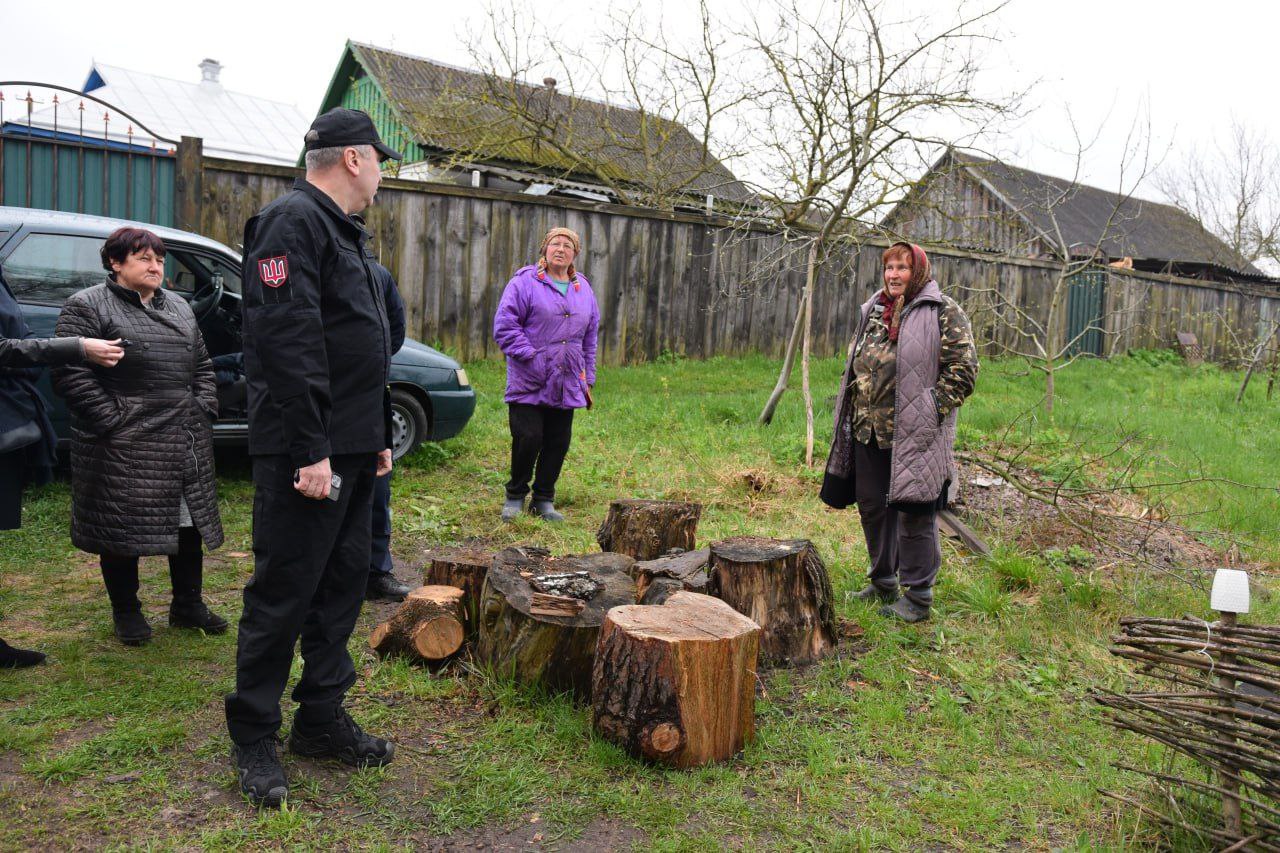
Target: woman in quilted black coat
[(142, 453)]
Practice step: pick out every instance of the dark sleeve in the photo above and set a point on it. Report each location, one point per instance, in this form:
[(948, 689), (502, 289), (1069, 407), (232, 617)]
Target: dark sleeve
[(395, 309), (33, 352), (206, 381), (283, 317), (959, 370), (78, 384)]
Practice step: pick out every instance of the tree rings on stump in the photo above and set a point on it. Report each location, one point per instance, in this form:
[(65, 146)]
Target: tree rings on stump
[(649, 529), (686, 571), (429, 626), (464, 568), (783, 586), (526, 639), (676, 684)]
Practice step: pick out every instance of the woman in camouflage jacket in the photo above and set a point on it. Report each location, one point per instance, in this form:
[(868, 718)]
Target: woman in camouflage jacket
[(912, 363)]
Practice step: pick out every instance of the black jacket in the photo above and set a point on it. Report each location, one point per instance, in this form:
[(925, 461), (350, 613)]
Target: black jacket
[(141, 437), (317, 348)]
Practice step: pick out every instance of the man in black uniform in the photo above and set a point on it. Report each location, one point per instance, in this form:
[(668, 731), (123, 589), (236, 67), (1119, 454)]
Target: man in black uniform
[(317, 351)]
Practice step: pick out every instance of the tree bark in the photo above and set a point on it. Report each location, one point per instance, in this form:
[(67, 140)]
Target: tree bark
[(788, 362), (465, 569), (429, 626), (648, 529), (687, 571), (675, 684), (783, 586), (555, 651)]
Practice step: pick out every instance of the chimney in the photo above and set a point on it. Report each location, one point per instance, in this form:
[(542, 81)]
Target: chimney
[(549, 82), (209, 70)]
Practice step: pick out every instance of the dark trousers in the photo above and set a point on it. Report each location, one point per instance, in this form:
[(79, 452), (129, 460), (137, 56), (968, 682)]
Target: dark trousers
[(311, 563), (903, 546), (380, 548), (186, 569), (11, 475), (540, 437)]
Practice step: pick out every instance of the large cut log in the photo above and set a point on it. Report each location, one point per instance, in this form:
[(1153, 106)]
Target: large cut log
[(430, 625), (464, 568), (648, 529), (783, 586), (686, 571), (540, 616), (676, 683)]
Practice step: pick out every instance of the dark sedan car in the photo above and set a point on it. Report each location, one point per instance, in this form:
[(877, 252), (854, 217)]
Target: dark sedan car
[(48, 255)]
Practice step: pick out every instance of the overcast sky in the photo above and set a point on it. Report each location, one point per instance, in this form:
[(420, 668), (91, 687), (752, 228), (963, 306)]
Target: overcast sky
[(1190, 65)]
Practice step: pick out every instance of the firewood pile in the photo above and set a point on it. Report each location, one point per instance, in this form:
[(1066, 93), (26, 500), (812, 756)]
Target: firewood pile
[(1219, 704), (666, 650)]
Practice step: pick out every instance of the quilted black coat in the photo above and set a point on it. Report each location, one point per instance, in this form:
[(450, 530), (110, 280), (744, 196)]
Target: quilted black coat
[(142, 430)]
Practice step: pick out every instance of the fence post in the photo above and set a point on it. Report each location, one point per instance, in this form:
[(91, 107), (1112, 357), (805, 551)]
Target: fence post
[(188, 183)]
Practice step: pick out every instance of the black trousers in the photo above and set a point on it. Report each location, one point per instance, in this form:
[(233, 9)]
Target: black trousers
[(903, 546), (186, 569), (380, 549), (540, 437), (11, 475), (311, 563)]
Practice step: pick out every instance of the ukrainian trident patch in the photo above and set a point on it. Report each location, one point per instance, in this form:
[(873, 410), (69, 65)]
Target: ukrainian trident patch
[(274, 271)]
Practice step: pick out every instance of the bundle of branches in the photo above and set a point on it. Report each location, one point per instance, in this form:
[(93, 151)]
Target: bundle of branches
[(1221, 707)]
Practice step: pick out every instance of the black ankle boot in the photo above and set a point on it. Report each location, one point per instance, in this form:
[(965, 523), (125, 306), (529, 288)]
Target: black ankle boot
[(195, 615), (11, 658), (186, 573), (131, 627)]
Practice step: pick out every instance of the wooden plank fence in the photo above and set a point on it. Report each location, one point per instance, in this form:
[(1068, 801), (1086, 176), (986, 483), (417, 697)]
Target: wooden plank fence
[(685, 283)]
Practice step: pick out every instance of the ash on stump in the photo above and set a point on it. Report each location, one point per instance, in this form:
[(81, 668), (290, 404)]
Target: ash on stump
[(540, 616), (649, 529), (657, 580), (464, 568), (429, 626), (676, 683), (783, 586)]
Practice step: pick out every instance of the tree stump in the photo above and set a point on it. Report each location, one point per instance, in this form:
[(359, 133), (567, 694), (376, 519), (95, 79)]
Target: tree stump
[(781, 585), (429, 626), (649, 529), (540, 616), (676, 684), (672, 573), (464, 568)]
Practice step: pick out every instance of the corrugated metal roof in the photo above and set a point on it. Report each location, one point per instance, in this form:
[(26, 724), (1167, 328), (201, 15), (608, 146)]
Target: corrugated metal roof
[(455, 110), (231, 124)]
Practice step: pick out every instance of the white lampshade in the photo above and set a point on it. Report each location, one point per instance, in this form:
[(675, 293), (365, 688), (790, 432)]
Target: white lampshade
[(1230, 591)]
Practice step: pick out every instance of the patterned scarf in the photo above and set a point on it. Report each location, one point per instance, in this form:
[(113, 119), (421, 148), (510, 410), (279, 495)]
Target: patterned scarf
[(921, 272)]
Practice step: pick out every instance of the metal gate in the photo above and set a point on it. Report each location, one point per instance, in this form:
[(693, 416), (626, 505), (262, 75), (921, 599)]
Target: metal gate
[(64, 150), (1086, 300)]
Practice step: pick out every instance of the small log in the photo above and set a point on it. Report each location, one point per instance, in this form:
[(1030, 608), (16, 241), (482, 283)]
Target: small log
[(649, 529), (464, 568), (521, 638), (659, 590), (676, 684), (783, 586), (430, 625), (688, 570)]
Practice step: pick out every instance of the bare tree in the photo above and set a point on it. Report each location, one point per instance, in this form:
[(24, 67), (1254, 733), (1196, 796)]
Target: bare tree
[(1233, 189), (852, 104)]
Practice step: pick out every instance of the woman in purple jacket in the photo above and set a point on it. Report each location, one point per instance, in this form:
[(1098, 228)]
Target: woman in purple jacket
[(546, 325)]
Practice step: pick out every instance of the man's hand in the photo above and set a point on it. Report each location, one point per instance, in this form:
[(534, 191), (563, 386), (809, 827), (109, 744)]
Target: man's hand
[(314, 480), (384, 462)]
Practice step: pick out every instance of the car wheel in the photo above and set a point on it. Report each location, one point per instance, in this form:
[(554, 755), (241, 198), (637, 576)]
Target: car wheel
[(409, 427)]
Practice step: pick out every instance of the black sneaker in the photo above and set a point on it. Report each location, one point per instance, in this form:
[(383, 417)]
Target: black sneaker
[(262, 778), (11, 658), (385, 586), (131, 627), (906, 610), (195, 614), (342, 739)]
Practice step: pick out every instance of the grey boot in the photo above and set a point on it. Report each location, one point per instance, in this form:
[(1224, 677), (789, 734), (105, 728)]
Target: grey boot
[(906, 610), (875, 592), (546, 510), (511, 508)]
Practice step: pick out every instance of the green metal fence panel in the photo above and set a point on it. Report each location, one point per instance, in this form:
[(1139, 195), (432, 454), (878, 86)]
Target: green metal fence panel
[(1086, 300)]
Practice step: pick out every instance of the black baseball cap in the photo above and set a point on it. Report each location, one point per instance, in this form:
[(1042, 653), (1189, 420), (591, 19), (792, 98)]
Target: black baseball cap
[(340, 127)]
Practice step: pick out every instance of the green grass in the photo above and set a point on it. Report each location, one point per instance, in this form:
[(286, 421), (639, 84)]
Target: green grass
[(974, 730)]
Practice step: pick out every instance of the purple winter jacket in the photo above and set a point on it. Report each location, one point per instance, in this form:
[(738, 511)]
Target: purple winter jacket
[(549, 340)]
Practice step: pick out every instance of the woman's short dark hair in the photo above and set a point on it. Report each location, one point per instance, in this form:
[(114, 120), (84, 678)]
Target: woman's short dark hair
[(124, 242)]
